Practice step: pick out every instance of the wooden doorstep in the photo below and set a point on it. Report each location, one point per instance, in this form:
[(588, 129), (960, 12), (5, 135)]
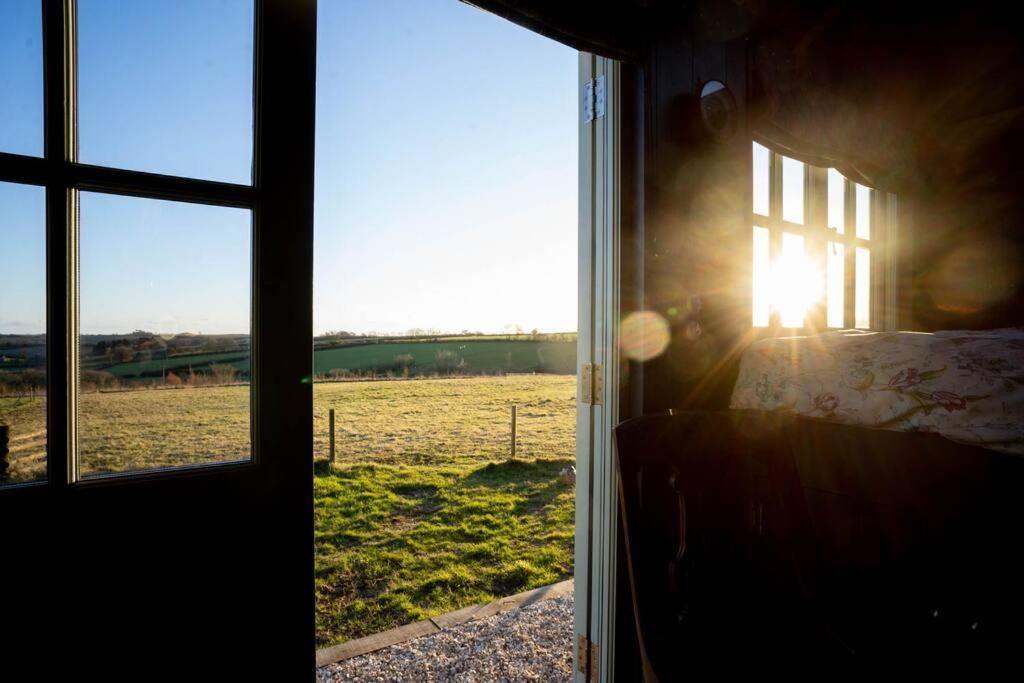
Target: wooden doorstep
[(402, 634)]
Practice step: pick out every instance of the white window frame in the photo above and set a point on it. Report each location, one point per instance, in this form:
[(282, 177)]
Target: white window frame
[(882, 243)]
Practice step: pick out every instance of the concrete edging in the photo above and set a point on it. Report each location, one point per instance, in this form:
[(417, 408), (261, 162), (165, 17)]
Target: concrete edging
[(402, 634)]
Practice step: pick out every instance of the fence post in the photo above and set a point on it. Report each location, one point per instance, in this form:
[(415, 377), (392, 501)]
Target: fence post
[(4, 451), (514, 431), (331, 413)]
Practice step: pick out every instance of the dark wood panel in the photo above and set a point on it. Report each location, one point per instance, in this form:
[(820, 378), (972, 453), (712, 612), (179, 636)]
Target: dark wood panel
[(809, 544)]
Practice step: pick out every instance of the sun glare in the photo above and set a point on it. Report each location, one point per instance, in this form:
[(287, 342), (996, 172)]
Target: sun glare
[(789, 285)]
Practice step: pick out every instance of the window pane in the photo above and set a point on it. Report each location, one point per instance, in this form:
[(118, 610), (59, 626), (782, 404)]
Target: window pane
[(21, 77), (762, 173), (22, 333), (836, 284), (863, 212), (862, 307), (164, 336), (760, 278), (166, 87), (794, 283), (836, 201), (792, 190)]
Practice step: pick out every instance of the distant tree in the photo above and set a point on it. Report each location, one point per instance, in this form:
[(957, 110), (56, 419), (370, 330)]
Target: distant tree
[(172, 380), (33, 380), (448, 362), (124, 353), (8, 381), (223, 373), (97, 379)]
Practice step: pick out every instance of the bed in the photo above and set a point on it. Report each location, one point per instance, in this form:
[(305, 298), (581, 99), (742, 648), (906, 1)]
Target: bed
[(967, 386), (859, 504)]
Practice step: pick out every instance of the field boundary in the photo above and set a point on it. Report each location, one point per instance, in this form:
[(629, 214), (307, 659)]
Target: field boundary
[(317, 380), (427, 378), (417, 629)]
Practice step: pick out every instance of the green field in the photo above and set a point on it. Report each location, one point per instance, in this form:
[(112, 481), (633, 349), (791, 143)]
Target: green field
[(422, 513), (177, 364), (480, 356)]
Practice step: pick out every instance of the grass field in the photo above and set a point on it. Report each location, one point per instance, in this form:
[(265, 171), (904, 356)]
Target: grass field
[(177, 364), (480, 355), (131, 430), (421, 514)]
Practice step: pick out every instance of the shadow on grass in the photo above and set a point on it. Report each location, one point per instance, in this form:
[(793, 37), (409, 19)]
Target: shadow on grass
[(537, 480), (516, 472), (398, 543), (512, 580)]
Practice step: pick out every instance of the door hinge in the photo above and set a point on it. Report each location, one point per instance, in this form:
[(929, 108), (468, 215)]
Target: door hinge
[(583, 646), (593, 99), (592, 384)]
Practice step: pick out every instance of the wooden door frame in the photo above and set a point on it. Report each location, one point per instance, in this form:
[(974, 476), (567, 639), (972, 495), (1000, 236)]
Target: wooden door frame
[(600, 211), (84, 549)]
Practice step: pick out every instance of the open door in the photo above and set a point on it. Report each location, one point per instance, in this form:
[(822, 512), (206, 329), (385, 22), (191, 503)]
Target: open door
[(128, 569), (598, 373)]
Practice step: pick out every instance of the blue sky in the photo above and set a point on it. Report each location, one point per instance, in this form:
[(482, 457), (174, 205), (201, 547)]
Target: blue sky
[(446, 168)]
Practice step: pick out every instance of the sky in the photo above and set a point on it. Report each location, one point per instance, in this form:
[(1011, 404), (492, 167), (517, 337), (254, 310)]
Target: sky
[(445, 187)]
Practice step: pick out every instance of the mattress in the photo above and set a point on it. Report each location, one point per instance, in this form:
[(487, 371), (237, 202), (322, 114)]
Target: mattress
[(965, 385)]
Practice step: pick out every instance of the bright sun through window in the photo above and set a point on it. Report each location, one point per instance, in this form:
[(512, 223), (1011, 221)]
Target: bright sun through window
[(808, 271)]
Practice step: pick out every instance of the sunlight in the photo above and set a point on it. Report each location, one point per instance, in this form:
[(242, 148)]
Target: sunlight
[(794, 282), (790, 285)]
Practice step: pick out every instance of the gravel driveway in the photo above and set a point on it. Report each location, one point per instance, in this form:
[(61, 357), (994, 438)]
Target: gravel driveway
[(531, 643)]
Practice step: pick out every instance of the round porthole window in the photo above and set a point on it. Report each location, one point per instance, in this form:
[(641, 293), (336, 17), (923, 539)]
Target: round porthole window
[(717, 110)]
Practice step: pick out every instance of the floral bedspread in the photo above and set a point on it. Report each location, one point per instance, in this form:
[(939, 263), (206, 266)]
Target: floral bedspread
[(966, 385)]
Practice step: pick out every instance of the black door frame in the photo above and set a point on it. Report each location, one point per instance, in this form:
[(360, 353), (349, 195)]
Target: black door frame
[(171, 568)]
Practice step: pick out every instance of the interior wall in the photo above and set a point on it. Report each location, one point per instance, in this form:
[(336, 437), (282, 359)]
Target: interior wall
[(685, 236), (967, 246), (928, 105), (697, 231)]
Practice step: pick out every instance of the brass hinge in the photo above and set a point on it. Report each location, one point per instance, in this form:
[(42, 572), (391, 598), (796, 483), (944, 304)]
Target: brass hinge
[(594, 105), (582, 645), (592, 384)]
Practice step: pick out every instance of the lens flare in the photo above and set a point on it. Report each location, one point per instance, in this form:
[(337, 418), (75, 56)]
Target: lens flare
[(796, 283), (644, 335), (974, 276)]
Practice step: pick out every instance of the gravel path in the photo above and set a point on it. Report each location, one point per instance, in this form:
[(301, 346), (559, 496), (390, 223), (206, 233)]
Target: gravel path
[(532, 643)]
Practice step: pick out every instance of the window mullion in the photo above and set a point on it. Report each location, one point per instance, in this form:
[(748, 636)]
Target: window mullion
[(57, 17), (849, 254), (816, 215)]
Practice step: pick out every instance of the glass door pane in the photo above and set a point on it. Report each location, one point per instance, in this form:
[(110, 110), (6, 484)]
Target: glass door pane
[(21, 77), (164, 334), (22, 333), (166, 87)]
